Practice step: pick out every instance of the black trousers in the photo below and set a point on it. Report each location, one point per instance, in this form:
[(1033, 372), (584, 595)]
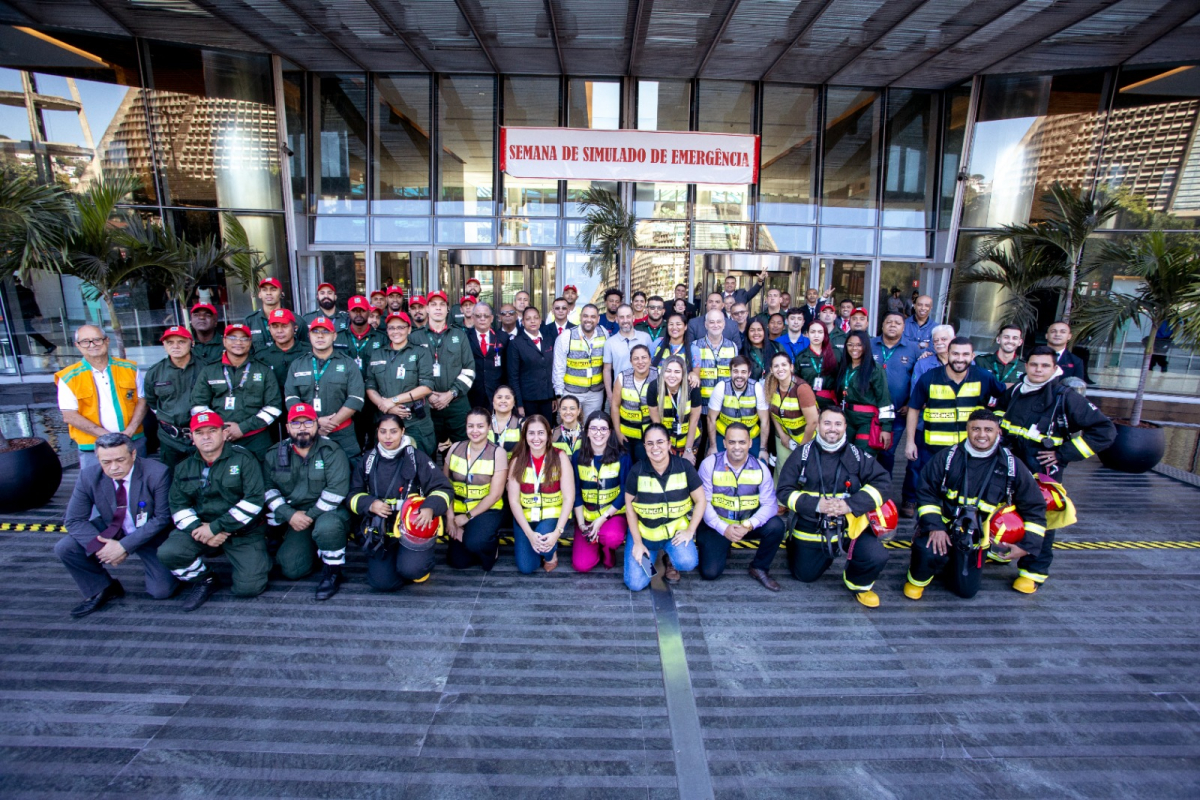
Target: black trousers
[(1037, 568), (961, 570), (714, 548), (394, 565), (809, 560), (481, 539), (543, 407)]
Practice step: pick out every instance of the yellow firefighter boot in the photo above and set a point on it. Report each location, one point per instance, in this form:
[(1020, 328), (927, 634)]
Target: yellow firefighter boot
[(912, 591), (867, 598), (1025, 585)]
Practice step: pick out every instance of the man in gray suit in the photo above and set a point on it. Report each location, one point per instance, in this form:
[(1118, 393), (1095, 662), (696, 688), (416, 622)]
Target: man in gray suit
[(119, 506)]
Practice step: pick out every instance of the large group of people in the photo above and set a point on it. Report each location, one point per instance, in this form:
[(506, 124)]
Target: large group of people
[(651, 426)]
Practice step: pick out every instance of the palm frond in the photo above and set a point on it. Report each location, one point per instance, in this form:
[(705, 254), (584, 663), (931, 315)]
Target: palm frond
[(609, 228), (35, 223), (245, 264)]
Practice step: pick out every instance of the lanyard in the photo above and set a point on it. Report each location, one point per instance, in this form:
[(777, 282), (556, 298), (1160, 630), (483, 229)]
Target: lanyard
[(570, 436), (887, 353), (1008, 371), (472, 461), (505, 427), (849, 377), (317, 375), (437, 343), (229, 380), (354, 342)]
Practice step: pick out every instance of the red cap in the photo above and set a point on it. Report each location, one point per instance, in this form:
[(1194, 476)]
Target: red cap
[(281, 315), (400, 315), (322, 322), (572, 287), (379, 292), (271, 282), (301, 411), (417, 300), (358, 301), (206, 419), (474, 281), (467, 298), (176, 330), (831, 308), (438, 295), (321, 286), (862, 311), (204, 307), (237, 326), (395, 290)]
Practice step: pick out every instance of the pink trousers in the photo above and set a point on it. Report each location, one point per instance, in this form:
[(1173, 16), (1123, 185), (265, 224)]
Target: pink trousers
[(586, 555)]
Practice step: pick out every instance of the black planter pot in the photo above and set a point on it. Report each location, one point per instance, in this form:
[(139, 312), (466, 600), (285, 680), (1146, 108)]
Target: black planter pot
[(30, 474), (1136, 450)]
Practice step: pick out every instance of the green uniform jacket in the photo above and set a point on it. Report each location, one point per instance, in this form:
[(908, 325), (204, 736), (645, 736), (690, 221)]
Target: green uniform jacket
[(838, 339), (877, 395), (280, 361), (314, 485), (453, 362), (327, 385), (1007, 374), (394, 372), (260, 332), (361, 351), (256, 397), (229, 498), (208, 352), (168, 392), (341, 320)]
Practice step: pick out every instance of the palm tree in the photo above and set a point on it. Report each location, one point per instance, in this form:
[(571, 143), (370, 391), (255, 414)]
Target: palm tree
[(1072, 220), (1025, 269), (235, 255), (110, 247), (609, 232), (1169, 293), (35, 222)]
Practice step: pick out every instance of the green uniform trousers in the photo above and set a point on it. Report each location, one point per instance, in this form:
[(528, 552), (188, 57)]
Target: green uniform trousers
[(450, 423), (170, 454), (247, 554), (326, 536)]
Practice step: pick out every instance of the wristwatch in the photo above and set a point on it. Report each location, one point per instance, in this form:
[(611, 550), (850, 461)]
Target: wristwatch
[(454, 393)]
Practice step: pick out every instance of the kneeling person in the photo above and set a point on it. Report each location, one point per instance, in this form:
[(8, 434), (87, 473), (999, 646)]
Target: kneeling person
[(387, 475), (832, 486), (958, 492), (307, 478), (217, 505), (741, 505)]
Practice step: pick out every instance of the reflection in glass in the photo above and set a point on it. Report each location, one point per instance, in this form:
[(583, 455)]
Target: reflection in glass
[(531, 102), (342, 145), (660, 200), (851, 241), (722, 236), (346, 271), (904, 276), (789, 134), (904, 243), (662, 234), (724, 107), (594, 104), (577, 271), (577, 188), (851, 157), (295, 107), (466, 120), (529, 231), (911, 140), (1032, 131), (847, 279), (723, 202), (400, 230), (530, 197), (401, 145), (334, 230), (465, 231), (657, 273), (784, 239), (954, 132), (409, 270), (664, 105)]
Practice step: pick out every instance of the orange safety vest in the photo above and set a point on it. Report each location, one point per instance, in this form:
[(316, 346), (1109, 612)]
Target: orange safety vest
[(124, 388)]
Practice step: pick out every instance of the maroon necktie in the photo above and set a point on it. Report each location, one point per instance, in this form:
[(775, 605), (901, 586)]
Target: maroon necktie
[(116, 528)]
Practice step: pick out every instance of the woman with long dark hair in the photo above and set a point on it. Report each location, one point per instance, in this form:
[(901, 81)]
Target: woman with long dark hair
[(600, 471), (505, 423), (817, 365), (478, 471), (758, 348), (677, 342), (541, 494), (793, 409), (863, 393), (677, 407), (569, 433), (630, 411)]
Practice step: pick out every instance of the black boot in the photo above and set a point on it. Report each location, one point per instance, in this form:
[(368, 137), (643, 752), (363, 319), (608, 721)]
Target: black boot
[(331, 581), (200, 592)]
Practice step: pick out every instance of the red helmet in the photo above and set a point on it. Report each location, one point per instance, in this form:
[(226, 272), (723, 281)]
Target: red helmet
[(1053, 492), (884, 519), (416, 536), (1005, 525)]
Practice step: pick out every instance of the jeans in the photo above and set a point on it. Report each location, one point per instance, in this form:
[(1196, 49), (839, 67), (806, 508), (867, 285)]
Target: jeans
[(528, 560), (685, 558)]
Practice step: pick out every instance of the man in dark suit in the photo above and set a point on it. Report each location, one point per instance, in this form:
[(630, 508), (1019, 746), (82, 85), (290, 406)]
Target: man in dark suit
[(558, 323), (489, 349), (1058, 336), (531, 368), (812, 306), (119, 506)]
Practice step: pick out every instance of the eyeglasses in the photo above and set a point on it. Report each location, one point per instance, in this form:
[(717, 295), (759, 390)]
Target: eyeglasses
[(302, 424), (90, 342), (240, 339), (507, 313), (598, 429)]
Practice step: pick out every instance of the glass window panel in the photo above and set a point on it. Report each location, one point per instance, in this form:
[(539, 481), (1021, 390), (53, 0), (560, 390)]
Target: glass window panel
[(213, 121), (847, 279), (577, 271), (1151, 156), (662, 234), (661, 200), (572, 228), (340, 229), (594, 104), (789, 135), (851, 157), (907, 178), (576, 188), (530, 197), (657, 273), (529, 231), (531, 102), (346, 271), (785, 239), (904, 276), (407, 269), (664, 105), (852, 241), (905, 243), (400, 183), (342, 144), (467, 122), (954, 132), (726, 106), (1031, 132), (465, 231), (295, 106), (400, 230), (267, 233), (722, 236), (723, 202)]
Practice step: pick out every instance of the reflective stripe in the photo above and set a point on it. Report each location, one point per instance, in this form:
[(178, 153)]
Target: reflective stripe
[(741, 408), (333, 557), (191, 571), (539, 500), (633, 411), (1035, 529), (324, 506), (275, 503), (598, 488), (585, 366), (713, 364), (786, 409), (875, 495), (181, 516), (735, 497), (464, 476), (923, 510), (248, 507), (670, 503), (1036, 577), (855, 587), (916, 582), (239, 515), (948, 408), (330, 497), (354, 502), (1082, 446)]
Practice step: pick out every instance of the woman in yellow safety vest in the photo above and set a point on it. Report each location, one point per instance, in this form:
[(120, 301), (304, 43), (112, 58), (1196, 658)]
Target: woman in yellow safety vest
[(677, 407), (478, 470), (541, 494), (505, 425), (630, 411), (569, 433), (600, 472), (793, 409)]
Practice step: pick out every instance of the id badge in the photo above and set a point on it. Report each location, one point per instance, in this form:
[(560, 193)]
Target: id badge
[(230, 403), (359, 362), (141, 519), (317, 404), (817, 384), (437, 370), (400, 372), (497, 359)]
